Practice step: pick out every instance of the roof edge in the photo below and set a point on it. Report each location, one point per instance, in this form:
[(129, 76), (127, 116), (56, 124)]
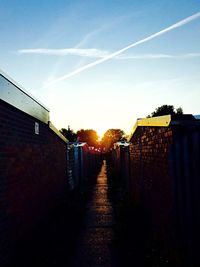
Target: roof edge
[(22, 89), (18, 97), (161, 121), (57, 132)]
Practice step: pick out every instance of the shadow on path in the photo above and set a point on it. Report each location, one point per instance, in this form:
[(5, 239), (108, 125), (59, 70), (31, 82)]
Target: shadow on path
[(95, 244)]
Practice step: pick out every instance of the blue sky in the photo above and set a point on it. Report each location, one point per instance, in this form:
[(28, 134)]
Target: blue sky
[(42, 41)]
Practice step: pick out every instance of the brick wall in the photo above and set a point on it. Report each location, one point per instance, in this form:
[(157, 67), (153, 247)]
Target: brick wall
[(32, 173), (164, 181), (150, 177)]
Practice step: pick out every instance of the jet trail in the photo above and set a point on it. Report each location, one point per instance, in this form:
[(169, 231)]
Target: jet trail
[(112, 55)]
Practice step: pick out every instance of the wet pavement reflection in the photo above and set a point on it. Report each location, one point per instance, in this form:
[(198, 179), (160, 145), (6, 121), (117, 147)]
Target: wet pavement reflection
[(94, 246)]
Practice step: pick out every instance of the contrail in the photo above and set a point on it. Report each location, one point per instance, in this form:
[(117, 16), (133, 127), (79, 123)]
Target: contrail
[(112, 55)]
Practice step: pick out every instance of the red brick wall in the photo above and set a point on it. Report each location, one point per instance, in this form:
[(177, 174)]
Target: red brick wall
[(32, 172), (150, 176)]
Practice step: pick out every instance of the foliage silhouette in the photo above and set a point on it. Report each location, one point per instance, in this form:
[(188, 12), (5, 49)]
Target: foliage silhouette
[(166, 110), (112, 136), (89, 136), (69, 134)]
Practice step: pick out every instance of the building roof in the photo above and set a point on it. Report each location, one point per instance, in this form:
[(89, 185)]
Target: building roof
[(165, 121), (15, 95)]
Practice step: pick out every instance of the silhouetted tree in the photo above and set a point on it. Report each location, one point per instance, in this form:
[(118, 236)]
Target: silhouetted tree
[(179, 111), (112, 136), (89, 136), (69, 134), (166, 110)]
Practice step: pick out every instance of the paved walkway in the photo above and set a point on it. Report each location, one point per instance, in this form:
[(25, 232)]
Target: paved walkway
[(94, 246)]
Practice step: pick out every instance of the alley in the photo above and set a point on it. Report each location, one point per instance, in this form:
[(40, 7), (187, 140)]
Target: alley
[(78, 233), (94, 245)]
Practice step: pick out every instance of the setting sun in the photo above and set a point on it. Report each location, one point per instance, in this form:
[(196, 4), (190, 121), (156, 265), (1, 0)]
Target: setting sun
[(101, 133)]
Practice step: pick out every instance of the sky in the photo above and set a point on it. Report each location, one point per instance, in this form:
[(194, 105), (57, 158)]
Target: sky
[(99, 64)]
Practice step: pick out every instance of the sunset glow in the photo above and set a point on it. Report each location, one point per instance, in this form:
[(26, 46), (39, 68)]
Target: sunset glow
[(100, 133), (122, 60)]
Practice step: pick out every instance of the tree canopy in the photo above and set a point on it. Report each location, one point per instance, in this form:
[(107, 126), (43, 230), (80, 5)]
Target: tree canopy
[(69, 134), (166, 110), (89, 136), (110, 137)]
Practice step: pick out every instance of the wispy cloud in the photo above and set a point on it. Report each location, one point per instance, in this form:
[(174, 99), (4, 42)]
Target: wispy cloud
[(97, 53), (159, 56), (144, 56), (103, 55), (89, 36), (92, 52), (191, 55), (112, 55)]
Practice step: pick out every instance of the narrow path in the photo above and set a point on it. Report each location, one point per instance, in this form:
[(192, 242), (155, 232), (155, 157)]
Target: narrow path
[(94, 247)]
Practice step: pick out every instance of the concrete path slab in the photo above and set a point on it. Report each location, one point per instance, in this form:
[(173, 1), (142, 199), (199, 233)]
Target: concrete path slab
[(94, 246)]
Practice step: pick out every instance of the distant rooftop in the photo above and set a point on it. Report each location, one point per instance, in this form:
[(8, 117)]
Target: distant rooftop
[(197, 117)]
